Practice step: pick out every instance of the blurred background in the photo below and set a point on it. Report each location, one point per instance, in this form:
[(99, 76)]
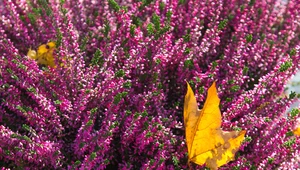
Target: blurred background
[(294, 85)]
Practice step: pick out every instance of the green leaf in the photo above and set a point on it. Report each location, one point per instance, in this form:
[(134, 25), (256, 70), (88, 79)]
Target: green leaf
[(189, 64), (77, 163), (98, 58), (187, 36), (127, 85), (26, 127), (119, 97), (146, 3), (294, 112), (162, 6), (120, 73), (285, 66), (58, 38), (175, 160), (214, 65), (82, 144), (242, 8), (235, 88), (289, 133), (93, 156), (89, 123), (57, 102), (187, 50), (289, 143), (292, 95), (270, 160), (31, 89), (31, 18), (114, 5), (248, 139), (150, 29), (252, 2), (156, 21), (249, 38), (132, 30), (136, 21), (293, 52), (245, 70), (201, 90), (106, 29), (222, 24), (26, 138), (181, 2)]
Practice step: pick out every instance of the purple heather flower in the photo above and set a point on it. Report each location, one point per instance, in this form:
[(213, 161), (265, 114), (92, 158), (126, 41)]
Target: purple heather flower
[(117, 100)]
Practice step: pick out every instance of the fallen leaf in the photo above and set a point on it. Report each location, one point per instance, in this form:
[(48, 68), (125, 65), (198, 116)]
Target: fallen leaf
[(207, 143), (297, 131), (44, 54)]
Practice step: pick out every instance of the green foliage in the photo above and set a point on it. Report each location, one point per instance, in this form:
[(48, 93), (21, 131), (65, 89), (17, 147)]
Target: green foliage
[(89, 123), (294, 112), (289, 133), (235, 88), (93, 156), (290, 142), (58, 38), (189, 64), (222, 24), (31, 89), (292, 95), (119, 97), (150, 29), (187, 36), (120, 73), (214, 65), (201, 90), (285, 66), (97, 60), (156, 21), (57, 102), (127, 84), (248, 139), (293, 52), (252, 2), (270, 160), (31, 18), (132, 30), (146, 2), (249, 38), (181, 2), (245, 70), (162, 6), (114, 5)]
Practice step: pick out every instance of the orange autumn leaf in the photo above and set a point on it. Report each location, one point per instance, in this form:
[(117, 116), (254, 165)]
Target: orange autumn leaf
[(297, 131), (206, 142)]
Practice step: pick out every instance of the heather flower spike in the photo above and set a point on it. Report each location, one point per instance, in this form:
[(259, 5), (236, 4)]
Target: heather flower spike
[(116, 102), (207, 143)]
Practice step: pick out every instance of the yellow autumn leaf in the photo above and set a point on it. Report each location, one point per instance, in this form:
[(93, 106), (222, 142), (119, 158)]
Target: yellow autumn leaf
[(44, 54), (206, 142), (31, 54)]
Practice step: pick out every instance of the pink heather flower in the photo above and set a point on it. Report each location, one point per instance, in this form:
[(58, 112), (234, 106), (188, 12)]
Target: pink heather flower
[(117, 101)]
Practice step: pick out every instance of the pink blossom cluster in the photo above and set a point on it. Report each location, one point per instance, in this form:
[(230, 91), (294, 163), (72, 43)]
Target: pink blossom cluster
[(117, 103)]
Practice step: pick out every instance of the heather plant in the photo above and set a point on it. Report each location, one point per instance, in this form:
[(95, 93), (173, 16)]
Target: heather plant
[(116, 102)]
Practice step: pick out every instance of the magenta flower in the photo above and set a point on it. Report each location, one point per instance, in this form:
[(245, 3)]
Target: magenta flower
[(117, 100)]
